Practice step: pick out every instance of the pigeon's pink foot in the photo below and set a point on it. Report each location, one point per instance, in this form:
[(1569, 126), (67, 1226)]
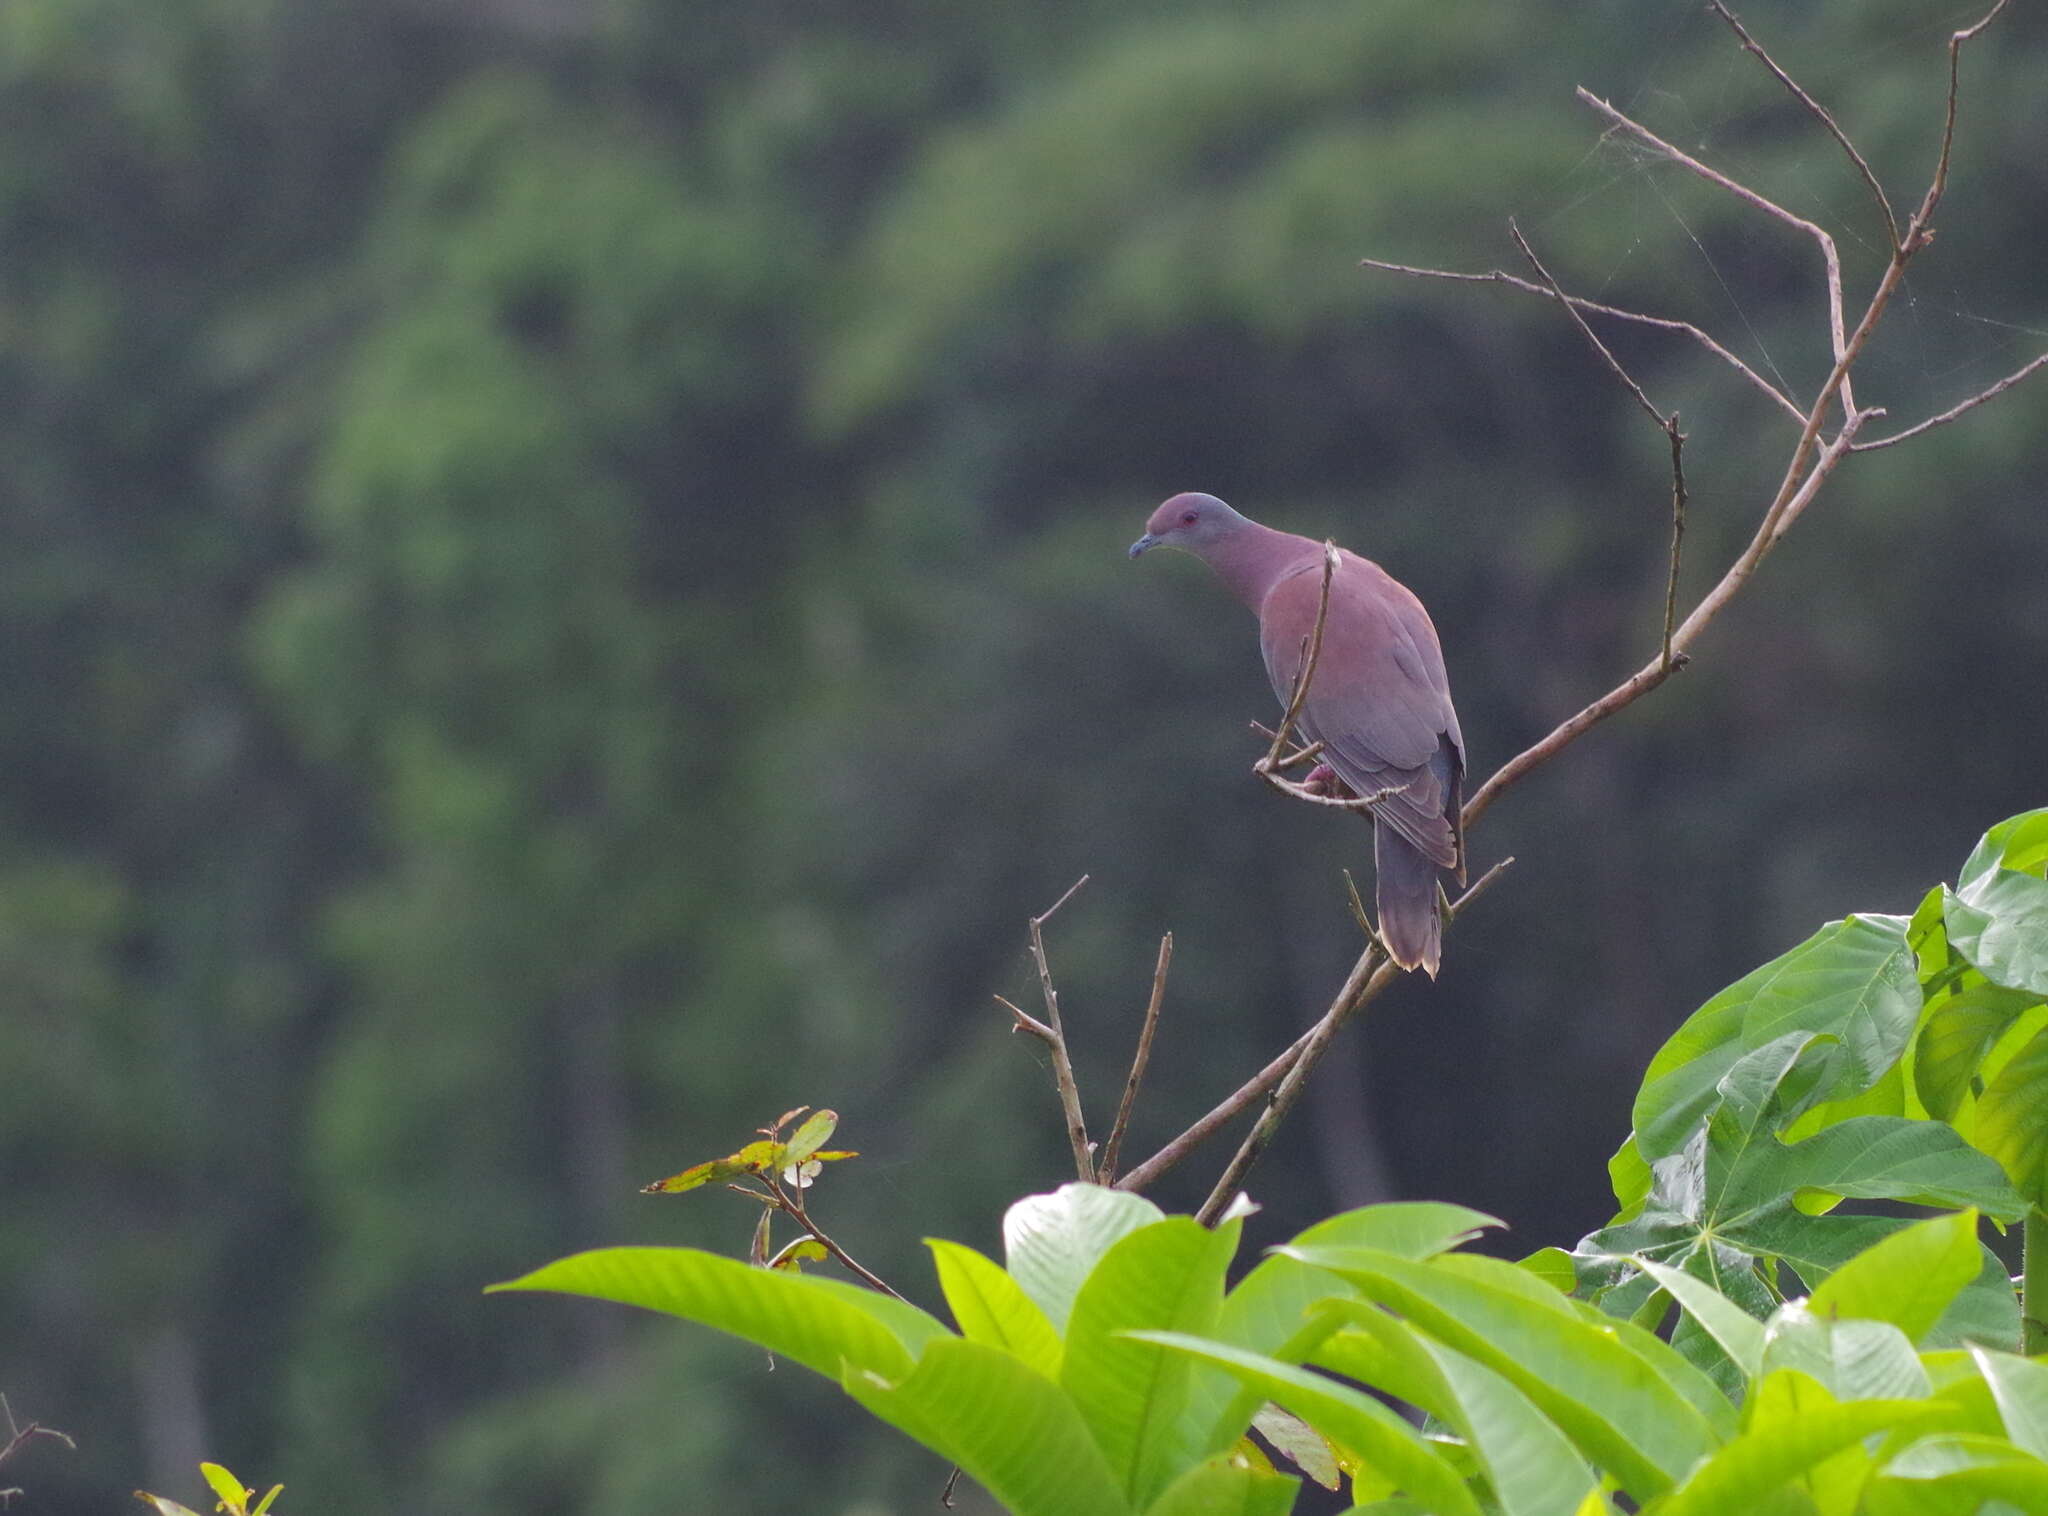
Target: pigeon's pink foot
[(1323, 780)]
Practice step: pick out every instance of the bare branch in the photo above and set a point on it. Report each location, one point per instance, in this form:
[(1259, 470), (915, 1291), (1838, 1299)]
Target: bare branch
[(792, 1206), (1819, 113), (1920, 231), (1312, 650), (1579, 302), (1062, 1064), (1111, 1149), (1955, 410), (1677, 538), (1668, 425), (1749, 197)]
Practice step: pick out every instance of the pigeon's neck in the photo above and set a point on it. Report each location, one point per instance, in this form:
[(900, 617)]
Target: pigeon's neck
[(1256, 558)]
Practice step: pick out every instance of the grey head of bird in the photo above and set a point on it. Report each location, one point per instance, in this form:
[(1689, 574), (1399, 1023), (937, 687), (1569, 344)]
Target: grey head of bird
[(1194, 523)]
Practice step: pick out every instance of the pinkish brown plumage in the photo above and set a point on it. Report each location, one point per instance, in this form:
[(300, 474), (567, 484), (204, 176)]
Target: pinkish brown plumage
[(1380, 702)]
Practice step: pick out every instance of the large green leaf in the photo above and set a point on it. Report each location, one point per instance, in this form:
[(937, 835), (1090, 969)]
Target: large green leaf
[(1051, 1242), (2000, 924), (1530, 1464), (2019, 843), (1959, 1030), (1958, 1472), (2019, 1387), (1221, 1486), (1851, 1359), (2012, 1119), (1909, 1279), (1615, 1405), (1152, 1412), (1007, 1426), (992, 1308), (820, 1323), (1778, 1448), (1349, 1418), (1853, 984)]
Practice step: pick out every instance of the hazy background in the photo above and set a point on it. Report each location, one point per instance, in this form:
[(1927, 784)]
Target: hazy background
[(562, 591)]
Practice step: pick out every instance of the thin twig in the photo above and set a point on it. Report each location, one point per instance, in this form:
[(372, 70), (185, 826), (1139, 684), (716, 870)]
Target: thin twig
[(1750, 197), (1500, 276), (1677, 540), (1256, 1087), (1668, 425), (793, 1207), (1955, 410), (1111, 1149), (1312, 650), (1361, 916), (1819, 113), (1919, 231), (1062, 1064)]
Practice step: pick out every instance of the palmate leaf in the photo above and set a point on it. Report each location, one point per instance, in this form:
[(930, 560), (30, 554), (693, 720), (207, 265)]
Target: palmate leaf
[(1851, 989), (2000, 925), (1909, 1279), (2012, 1119), (1959, 1030), (2019, 1388), (819, 1323)]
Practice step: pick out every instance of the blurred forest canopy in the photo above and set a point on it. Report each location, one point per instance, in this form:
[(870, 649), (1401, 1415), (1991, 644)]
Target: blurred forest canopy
[(561, 583)]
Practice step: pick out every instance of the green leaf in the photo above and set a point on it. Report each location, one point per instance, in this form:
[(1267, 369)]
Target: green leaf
[(1006, 1425), (1959, 1031), (165, 1506), (1605, 1394), (1852, 983), (1554, 1267), (1530, 1464), (1051, 1242), (1270, 1303), (2019, 843), (1347, 1417), (1778, 1448), (2019, 1386), (819, 1323), (1852, 1360), (1909, 1279), (2012, 1119), (1151, 1411), (1889, 1158), (1740, 1335), (1967, 1470), (1220, 1486), (992, 1308), (812, 1135), (2000, 924), (1305, 1447), (760, 1157)]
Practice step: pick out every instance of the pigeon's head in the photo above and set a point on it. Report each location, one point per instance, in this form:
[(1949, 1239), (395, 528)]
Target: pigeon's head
[(1191, 522)]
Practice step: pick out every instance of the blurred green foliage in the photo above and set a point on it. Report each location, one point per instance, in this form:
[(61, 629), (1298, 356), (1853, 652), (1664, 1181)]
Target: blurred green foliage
[(560, 574)]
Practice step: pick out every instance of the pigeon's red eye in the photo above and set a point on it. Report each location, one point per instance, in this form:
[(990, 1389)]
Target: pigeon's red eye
[(1189, 518)]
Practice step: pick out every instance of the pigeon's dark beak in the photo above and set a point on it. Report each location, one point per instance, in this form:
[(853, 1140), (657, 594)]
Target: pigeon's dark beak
[(1148, 540)]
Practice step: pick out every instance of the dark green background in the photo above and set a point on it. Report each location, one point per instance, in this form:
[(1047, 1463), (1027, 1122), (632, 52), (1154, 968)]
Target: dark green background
[(562, 591)]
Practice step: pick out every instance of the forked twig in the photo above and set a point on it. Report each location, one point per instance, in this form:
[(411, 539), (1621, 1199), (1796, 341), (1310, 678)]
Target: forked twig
[(1053, 1035), (1820, 114)]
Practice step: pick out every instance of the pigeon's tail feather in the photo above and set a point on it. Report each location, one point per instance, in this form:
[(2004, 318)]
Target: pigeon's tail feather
[(1409, 923)]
